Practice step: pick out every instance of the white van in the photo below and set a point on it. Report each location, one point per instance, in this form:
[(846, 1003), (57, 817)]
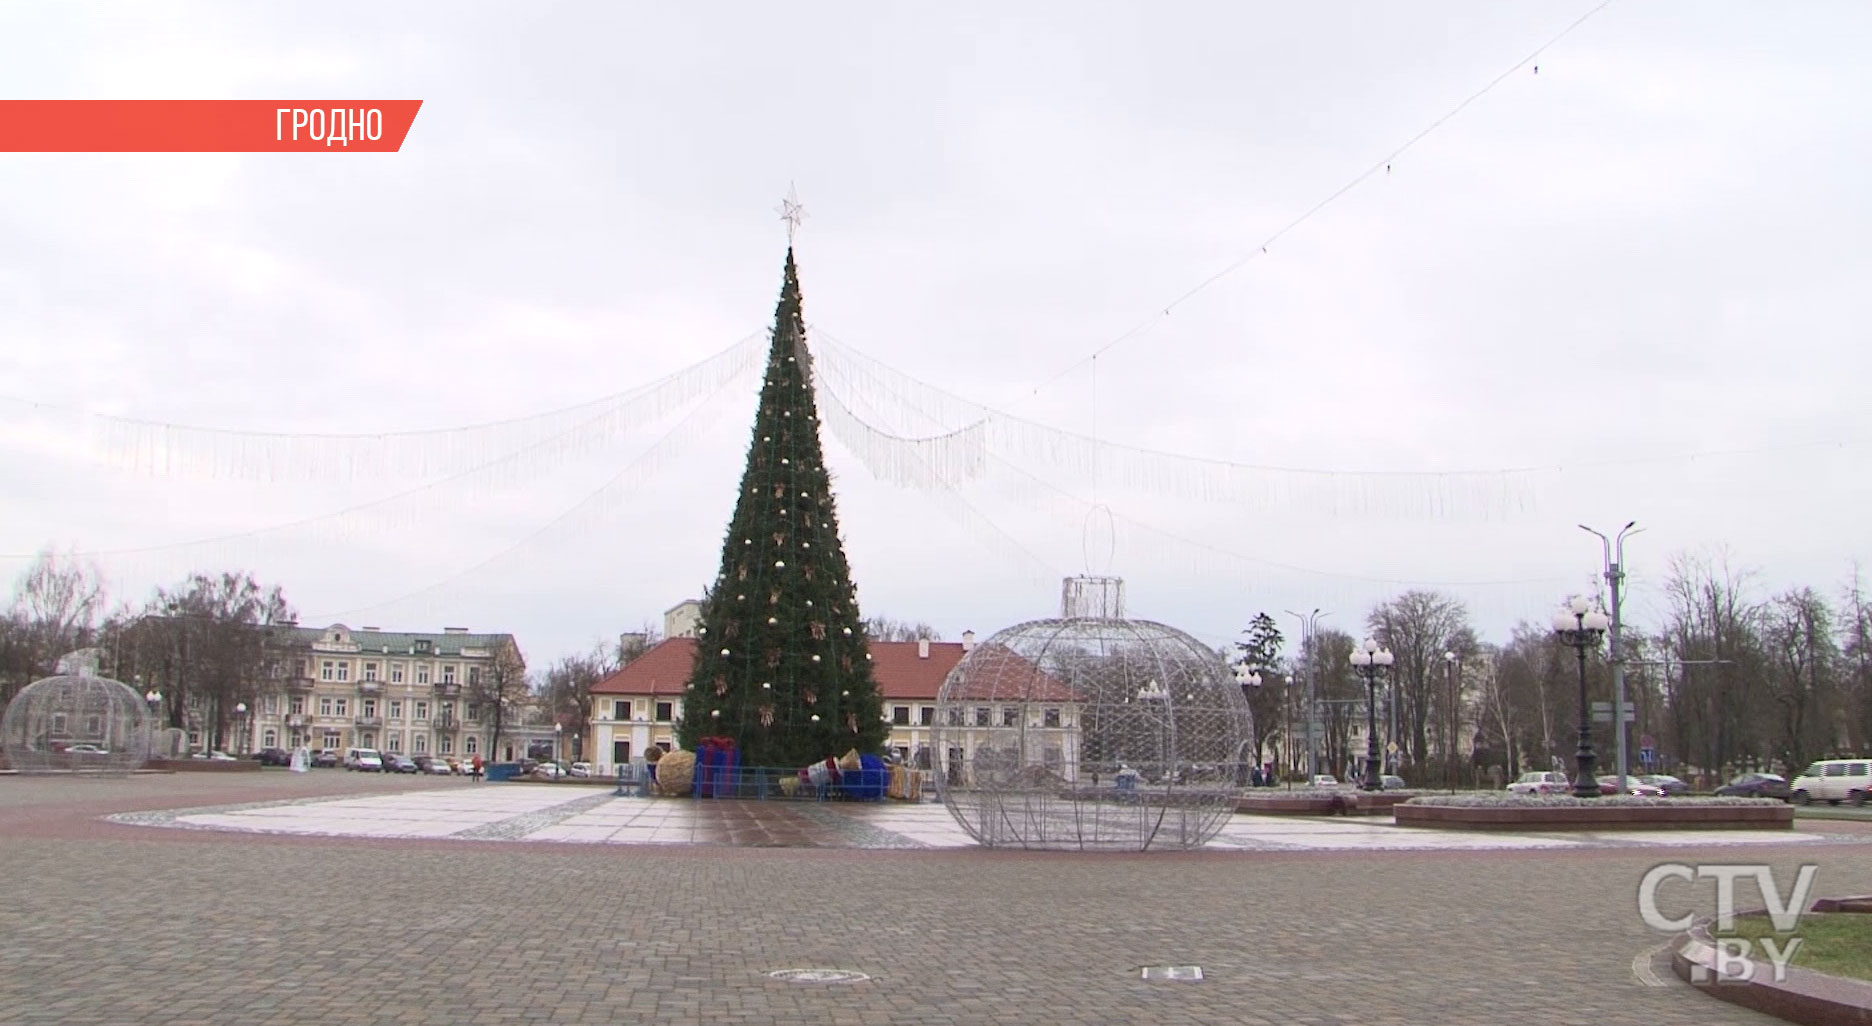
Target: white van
[(364, 759), (1834, 781)]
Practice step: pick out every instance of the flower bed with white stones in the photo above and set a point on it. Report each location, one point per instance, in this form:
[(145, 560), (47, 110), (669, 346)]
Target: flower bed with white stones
[(1497, 811)]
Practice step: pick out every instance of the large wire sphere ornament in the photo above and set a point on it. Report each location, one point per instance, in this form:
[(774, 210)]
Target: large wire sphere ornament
[(1090, 732), (76, 722)]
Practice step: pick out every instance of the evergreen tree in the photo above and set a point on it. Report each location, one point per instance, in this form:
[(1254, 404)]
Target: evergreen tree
[(781, 664)]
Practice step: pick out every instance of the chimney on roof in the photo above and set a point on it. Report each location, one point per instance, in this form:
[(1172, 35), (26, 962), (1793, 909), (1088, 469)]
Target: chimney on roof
[(968, 641), (922, 648), (454, 630)]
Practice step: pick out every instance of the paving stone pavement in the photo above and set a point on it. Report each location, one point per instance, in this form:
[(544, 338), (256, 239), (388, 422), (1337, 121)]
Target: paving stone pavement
[(105, 922)]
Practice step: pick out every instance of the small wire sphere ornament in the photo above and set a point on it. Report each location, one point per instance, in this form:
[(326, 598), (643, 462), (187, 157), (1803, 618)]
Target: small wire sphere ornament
[(76, 722), (1090, 732)]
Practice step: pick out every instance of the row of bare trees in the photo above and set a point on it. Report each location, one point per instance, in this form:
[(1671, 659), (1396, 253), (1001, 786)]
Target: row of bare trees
[(1732, 679)]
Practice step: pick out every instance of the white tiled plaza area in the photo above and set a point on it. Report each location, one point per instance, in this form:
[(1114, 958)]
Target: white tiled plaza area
[(532, 812)]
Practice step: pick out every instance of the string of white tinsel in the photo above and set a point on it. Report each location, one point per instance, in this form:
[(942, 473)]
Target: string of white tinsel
[(972, 429), (553, 438)]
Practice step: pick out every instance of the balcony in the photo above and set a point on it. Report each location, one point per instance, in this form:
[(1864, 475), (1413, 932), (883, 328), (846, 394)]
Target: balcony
[(448, 690), (445, 721), (299, 685), (367, 721), (369, 687), (298, 721)]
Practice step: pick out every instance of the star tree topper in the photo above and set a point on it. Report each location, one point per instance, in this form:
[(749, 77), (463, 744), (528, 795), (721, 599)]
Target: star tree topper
[(791, 212)]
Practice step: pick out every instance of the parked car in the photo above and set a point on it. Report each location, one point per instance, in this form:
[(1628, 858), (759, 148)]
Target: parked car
[(273, 757), (214, 756), (1834, 781), (85, 749), (364, 760), (1325, 780), (549, 770), (580, 769), (1633, 786), (1392, 782), (398, 764), (327, 757), (1549, 782), (1670, 785), (1756, 785)]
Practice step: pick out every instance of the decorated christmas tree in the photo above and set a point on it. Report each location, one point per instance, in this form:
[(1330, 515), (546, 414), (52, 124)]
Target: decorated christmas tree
[(781, 665)]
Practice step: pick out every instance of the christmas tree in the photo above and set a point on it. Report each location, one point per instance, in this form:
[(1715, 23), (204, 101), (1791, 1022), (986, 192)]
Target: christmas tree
[(781, 665)]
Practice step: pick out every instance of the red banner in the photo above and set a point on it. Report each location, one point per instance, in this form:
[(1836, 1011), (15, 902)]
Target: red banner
[(205, 126)]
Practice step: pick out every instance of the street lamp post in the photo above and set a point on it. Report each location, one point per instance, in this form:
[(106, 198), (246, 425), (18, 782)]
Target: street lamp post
[(154, 698), (1368, 659), (1250, 681), (241, 747), (1455, 711), (1309, 624), (1579, 625), (1614, 577), (558, 732)]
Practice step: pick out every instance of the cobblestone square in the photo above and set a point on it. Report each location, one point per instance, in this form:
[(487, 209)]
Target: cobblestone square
[(114, 922)]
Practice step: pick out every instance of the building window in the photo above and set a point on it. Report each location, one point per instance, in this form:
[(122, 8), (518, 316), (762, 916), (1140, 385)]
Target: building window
[(422, 710), (1010, 716), (343, 707), (471, 744), (982, 715), (344, 671), (448, 673), (393, 741), (448, 710), (271, 705), (396, 709), (368, 707), (328, 670), (419, 742), (296, 705), (955, 716), (927, 715), (474, 676), (370, 671), (664, 712), (444, 746), (305, 667), (422, 673), (1052, 718), (396, 673), (331, 739), (325, 707), (900, 715), (269, 739), (473, 713), (620, 710)]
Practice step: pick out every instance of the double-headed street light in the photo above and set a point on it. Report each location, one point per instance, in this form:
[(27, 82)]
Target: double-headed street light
[(1250, 681), (1368, 659), (1580, 625)]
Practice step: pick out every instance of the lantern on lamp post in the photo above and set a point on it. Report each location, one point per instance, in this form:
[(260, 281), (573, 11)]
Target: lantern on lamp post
[(1580, 626)]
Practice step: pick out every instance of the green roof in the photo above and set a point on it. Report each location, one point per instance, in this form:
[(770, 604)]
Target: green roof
[(401, 642)]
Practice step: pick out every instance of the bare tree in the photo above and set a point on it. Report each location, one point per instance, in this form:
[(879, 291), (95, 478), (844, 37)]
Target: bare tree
[(1803, 660), (1716, 703), (501, 692), (56, 603), (880, 628), (205, 646), (1418, 627)]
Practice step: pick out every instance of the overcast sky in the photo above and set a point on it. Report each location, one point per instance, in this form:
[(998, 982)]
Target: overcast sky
[(1638, 275)]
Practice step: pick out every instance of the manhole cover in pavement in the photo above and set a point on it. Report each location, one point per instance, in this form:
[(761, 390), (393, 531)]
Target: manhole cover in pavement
[(1173, 972), (818, 975)]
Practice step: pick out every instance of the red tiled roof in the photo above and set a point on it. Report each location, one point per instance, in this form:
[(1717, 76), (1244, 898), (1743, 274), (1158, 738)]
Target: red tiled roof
[(998, 673), (901, 673)]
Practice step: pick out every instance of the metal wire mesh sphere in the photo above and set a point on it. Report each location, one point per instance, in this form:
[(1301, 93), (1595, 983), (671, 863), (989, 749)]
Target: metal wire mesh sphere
[(76, 722), (1090, 732)]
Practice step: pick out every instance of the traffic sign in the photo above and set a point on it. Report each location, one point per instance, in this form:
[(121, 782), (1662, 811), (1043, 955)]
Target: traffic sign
[(1647, 741), (1647, 755), (1392, 748)]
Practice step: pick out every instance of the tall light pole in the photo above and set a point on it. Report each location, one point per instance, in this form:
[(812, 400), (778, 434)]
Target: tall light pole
[(241, 746), (1369, 659), (1579, 625), (1250, 681), (1614, 576), (1450, 660), (1309, 623)]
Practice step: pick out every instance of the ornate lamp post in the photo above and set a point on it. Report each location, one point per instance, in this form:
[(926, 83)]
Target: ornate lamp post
[(1368, 659), (240, 716), (154, 698), (1580, 625), (559, 732), (1250, 681)]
